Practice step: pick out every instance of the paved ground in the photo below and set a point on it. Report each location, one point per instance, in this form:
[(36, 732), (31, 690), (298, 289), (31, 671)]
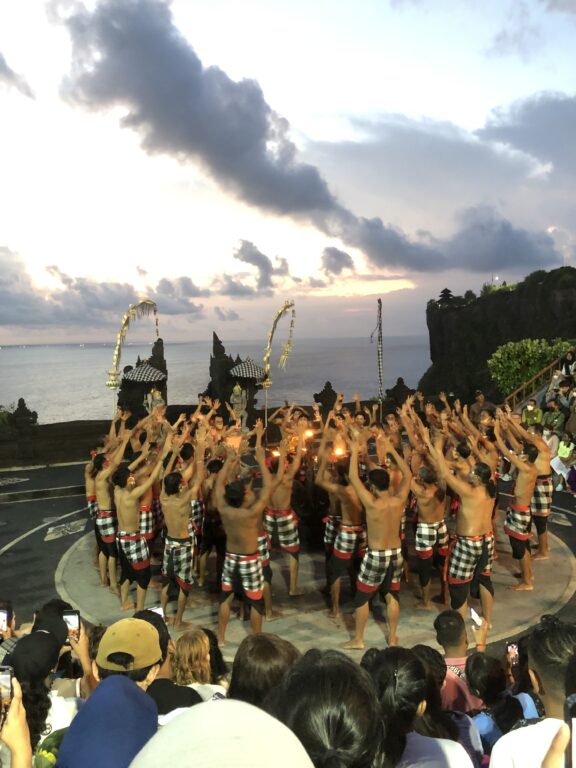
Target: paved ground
[(46, 545)]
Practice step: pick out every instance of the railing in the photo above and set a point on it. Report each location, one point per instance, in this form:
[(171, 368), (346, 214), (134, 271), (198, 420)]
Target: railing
[(530, 387)]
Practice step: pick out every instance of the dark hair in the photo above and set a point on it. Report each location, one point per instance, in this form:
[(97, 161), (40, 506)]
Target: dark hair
[(330, 704), (380, 478), (484, 474), (98, 461), (531, 452), (218, 667), (487, 679), (37, 705), (142, 437), (450, 627), (172, 483), (552, 643), (433, 661), (369, 659), (342, 467), (538, 428), (124, 659), (401, 686), (435, 722), (273, 464), (120, 477), (429, 477), (95, 634), (131, 422), (234, 493), (259, 666), (463, 449), (159, 625), (214, 466), (187, 451)]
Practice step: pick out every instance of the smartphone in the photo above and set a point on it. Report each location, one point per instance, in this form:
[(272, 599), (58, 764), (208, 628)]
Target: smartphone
[(72, 620), (512, 650), (6, 689), (475, 617), (157, 609), (570, 718), (3, 619)]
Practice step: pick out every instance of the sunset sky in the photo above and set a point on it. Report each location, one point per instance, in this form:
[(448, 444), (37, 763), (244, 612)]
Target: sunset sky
[(220, 157)]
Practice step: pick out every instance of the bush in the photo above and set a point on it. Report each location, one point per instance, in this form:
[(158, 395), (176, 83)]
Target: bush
[(514, 363)]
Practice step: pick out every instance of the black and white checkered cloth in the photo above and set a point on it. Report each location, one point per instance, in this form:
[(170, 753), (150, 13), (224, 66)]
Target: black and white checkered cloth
[(430, 535), (284, 523), (146, 527), (465, 556), (350, 542), (144, 373), (374, 569), (178, 562), (135, 549), (541, 501), (107, 524), (244, 571), (248, 369)]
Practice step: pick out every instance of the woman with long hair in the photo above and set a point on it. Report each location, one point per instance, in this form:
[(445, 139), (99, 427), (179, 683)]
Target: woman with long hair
[(191, 664)]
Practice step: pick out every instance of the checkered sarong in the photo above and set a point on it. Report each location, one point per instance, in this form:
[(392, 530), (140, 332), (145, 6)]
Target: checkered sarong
[(147, 523), (107, 525), (541, 501), (284, 523), (135, 548), (331, 526), (178, 561), (92, 506), (377, 565), (430, 535), (517, 522), (264, 548), (465, 556), (197, 516), (244, 571), (158, 514), (350, 542)]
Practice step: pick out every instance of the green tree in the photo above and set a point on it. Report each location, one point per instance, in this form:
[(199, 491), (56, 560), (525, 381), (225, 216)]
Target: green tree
[(514, 363)]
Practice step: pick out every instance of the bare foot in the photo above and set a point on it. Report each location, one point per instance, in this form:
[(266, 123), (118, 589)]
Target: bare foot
[(221, 642), (539, 556), (128, 606), (183, 625), (168, 619), (522, 587), (273, 615), (393, 641), (296, 593), (422, 606), (115, 590), (333, 614), (353, 645)]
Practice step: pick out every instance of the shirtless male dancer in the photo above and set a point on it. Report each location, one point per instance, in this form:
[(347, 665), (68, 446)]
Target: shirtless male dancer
[(133, 550), (280, 519), (470, 559), (381, 567), (518, 518), (180, 491), (350, 542), (431, 531), (242, 518)]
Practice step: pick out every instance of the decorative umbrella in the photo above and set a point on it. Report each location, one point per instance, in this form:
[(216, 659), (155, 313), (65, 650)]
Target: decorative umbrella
[(248, 369), (144, 373)]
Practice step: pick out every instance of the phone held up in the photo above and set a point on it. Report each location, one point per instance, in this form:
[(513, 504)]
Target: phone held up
[(6, 690), (72, 621)]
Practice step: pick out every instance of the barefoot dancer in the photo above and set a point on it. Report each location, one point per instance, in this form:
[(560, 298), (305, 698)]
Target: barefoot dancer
[(518, 518), (470, 560), (381, 567), (431, 531), (350, 542), (242, 570)]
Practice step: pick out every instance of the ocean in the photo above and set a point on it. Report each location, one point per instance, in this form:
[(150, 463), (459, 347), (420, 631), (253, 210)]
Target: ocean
[(66, 382)]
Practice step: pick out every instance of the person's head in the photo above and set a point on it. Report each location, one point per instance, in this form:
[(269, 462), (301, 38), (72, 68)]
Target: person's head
[(172, 483), (160, 626), (329, 702), (50, 619), (259, 666), (426, 475), (450, 630), (553, 404), (379, 480), (214, 466), (537, 429), (531, 405), (486, 679), (566, 438), (401, 687), (187, 451), (433, 661), (551, 645), (479, 396), (482, 475), (360, 419), (531, 452), (95, 634), (463, 449), (434, 722), (218, 667), (234, 494), (342, 470), (218, 423), (99, 462), (121, 476), (191, 662), (130, 647)]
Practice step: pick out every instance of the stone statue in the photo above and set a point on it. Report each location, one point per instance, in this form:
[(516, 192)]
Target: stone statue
[(238, 401), (152, 399)]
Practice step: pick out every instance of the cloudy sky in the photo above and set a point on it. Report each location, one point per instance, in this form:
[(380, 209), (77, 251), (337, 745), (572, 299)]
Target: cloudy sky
[(220, 157)]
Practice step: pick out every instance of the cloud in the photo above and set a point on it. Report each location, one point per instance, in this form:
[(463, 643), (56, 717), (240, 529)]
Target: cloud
[(174, 296), (334, 261), (13, 80), (226, 315), (520, 37), (129, 54), (248, 253), (141, 272), (313, 282), (563, 6), (231, 286), (542, 126)]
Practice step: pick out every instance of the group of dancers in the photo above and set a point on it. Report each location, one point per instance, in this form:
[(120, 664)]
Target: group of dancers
[(179, 491)]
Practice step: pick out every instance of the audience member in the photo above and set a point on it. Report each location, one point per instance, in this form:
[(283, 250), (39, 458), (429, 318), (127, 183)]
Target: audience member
[(191, 665), (260, 664)]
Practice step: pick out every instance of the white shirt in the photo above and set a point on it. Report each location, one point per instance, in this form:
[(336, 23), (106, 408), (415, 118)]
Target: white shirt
[(426, 752), (525, 747)]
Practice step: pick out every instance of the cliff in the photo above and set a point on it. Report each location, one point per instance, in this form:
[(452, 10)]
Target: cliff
[(464, 332)]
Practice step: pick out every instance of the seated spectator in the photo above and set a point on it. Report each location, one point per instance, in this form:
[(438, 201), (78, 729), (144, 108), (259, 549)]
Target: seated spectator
[(479, 405), (502, 710), (550, 648), (467, 733), (111, 728), (260, 664), (34, 660), (166, 693), (130, 647), (329, 702), (532, 414), (15, 734), (219, 673), (452, 636), (519, 675), (567, 365), (401, 687), (191, 665), (554, 418), (237, 734), (563, 461)]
